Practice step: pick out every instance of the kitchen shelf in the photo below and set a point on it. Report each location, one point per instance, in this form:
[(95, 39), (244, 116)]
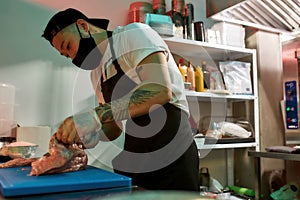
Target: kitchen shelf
[(204, 96), (228, 146), (219, 103), (197, 51), (220, 145)]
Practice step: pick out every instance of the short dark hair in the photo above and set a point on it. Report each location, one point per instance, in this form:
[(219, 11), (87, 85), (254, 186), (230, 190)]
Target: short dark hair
[(66, 17)]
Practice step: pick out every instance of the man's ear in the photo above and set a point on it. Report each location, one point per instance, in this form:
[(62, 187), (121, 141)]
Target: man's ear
[(82, 24)]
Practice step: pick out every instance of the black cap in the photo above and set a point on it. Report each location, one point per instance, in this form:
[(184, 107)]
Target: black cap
[(66, 17)]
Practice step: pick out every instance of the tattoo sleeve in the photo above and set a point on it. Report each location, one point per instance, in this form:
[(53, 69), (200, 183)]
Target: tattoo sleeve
[(119, 109)]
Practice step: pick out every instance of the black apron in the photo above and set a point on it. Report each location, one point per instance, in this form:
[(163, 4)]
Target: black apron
[(181, 173)]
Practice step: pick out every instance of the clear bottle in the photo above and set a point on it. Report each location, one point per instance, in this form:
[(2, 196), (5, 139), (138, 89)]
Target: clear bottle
[(191, 76), (206, 76), (199, 81), (178, 15)]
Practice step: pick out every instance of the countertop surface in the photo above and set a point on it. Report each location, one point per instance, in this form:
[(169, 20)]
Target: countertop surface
[(125, 193)]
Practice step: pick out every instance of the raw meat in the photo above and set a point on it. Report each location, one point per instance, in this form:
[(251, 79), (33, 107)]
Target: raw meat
[(20, 144), (18, 162), (60, 158)]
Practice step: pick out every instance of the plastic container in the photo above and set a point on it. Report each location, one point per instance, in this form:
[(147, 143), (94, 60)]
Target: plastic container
[(183, 67), (6, 126), (138, 10), (7, 93), (162, 24), (7, 111), (7, 103), (182, 72), (230, 34)]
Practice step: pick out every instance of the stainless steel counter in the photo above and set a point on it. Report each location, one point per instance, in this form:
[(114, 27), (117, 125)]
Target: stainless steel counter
[(274, 155)]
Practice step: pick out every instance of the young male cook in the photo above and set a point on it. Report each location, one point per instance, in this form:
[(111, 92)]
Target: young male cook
[(136, 81)]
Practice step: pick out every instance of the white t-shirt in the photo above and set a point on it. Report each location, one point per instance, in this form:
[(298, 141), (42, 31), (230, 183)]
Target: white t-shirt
[(133, 43)]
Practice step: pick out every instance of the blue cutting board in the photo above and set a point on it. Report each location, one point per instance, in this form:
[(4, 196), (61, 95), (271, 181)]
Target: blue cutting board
[(17, 181)]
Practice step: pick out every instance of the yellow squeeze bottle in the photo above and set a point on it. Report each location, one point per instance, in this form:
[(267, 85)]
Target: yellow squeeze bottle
[(182, 72), (199, 81)]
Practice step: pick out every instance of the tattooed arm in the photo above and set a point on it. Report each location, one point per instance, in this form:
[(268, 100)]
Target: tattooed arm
[(154, 89)]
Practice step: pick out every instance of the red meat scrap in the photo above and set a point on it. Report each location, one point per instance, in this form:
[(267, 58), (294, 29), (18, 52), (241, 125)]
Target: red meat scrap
[(60, 158)]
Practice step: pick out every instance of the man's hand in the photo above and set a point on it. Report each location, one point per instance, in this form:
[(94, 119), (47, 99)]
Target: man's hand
[(67, 133), (83, 128)]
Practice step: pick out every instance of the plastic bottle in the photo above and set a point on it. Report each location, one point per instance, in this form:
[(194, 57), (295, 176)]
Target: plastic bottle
[(199, 81), (206, 75), (241, 190), (182, 72), (191, 76), (204, 177), (189, 19), (178, 15), (184, 68)]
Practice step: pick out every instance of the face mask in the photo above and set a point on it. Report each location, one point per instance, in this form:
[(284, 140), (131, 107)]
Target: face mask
[(88, 55)]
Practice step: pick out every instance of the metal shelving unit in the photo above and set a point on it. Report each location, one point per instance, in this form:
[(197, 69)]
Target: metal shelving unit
[(196, 51)]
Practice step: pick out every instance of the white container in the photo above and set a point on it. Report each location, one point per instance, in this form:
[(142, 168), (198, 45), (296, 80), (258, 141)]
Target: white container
[(6, 127), (229, 34), (7, 111), (7, 93), (39, 135)]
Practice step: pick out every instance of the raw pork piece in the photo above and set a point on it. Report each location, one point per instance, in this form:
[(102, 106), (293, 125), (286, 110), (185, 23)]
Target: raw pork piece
[(60, 158), (18, 162)]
